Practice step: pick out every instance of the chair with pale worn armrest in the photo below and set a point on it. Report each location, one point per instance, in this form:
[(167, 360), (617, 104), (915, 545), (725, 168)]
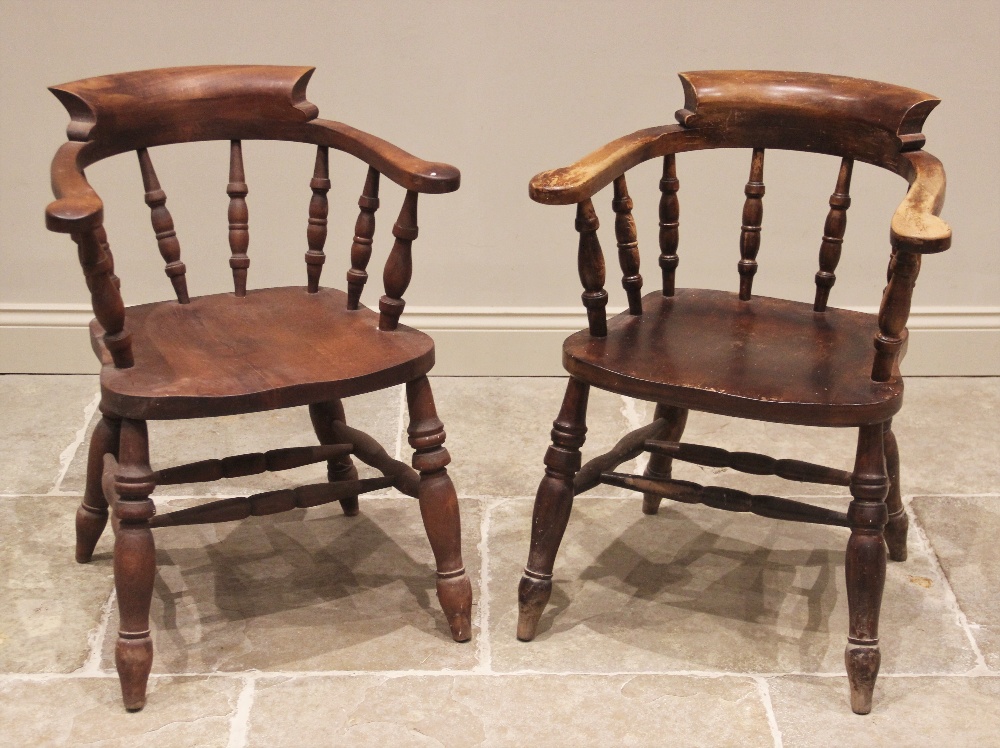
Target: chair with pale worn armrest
[(734, 354), (245, 351)]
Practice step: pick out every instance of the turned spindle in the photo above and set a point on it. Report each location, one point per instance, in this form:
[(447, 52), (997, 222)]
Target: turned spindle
[(590, 262), (319, 209), (163, 225), (670, 211), (239, 229), (753, 214), (628, 245), (833, 235), (894, 311), (364, 230), (399, 266), (105, 298)]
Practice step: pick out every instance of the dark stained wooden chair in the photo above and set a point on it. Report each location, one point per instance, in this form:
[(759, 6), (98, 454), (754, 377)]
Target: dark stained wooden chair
[(249, 350), (751, 357)]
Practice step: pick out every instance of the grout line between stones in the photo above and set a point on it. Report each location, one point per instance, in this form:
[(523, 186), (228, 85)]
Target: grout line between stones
[(67, 455), (445, 672), (484, 648), (95, 639), (764, 691), (239, 725), (917, 531)]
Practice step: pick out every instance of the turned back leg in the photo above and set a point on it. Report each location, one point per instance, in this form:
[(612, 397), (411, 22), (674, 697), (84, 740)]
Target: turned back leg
[(898, 525), (439, 508), (660, 465), (92, 516), (341, 468), (553, 504), (865, 566)]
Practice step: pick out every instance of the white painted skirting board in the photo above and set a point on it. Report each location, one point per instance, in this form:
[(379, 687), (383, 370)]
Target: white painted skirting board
[(498, 341)]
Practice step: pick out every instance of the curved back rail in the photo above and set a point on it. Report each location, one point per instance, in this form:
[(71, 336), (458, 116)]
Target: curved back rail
[(855, 119), (136, 111)]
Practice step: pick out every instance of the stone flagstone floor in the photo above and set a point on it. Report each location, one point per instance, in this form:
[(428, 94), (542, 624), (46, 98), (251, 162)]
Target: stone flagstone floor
[(693, 627)]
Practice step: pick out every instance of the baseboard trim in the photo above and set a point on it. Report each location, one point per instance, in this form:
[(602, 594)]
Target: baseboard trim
[(499, 341)]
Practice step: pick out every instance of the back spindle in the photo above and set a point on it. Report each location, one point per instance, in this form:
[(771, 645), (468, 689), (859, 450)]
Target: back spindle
[(753, 214), (628, 246), (399, 266), (833, 235), (670, 211), (590, 263), (364, 230), (163, 225), (319, 209), (239, 228)]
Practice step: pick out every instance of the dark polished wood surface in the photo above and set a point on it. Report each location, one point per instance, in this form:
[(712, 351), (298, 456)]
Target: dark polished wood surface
[(771, 359), (273, 348), (249, 350), (737, 354)]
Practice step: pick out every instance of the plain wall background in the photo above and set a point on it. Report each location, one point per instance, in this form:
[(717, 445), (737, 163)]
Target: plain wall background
[(502, 90)]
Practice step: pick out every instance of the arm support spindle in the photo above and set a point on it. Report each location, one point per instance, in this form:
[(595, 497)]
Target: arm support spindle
[(399, 266), (670, 211), (239, 233), (628, 245), (753, 213), (833, 235), (590, 261)]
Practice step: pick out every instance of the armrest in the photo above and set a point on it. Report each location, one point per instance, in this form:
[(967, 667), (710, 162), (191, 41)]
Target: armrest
[(404, 169), (915, 225), (573, 184), (77, 207)]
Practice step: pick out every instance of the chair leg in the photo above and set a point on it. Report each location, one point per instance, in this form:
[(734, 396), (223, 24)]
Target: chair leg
[(553, 504), (660, 465), (135, 562), (92, 516), (439, 508), (898, 525), (865, 565), (340, 468)]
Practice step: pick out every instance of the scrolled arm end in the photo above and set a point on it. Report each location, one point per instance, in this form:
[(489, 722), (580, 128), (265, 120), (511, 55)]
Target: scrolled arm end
[(916, 226), (70, 215)]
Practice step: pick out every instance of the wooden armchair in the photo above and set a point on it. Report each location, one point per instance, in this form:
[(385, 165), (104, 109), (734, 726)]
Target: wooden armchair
[(249, 350), (752, 357)]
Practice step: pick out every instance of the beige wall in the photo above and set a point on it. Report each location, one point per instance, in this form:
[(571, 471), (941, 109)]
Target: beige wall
[(502, 90)]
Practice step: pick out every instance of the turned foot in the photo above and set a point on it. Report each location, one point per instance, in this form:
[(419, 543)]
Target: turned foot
[(90, 523), (896, 530), (862, 669), (455, 596), (532, 597), (134, 660), (92, 516)]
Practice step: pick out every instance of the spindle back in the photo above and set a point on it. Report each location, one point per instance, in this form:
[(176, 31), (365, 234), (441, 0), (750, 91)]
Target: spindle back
[(136, 111), (857, 120)]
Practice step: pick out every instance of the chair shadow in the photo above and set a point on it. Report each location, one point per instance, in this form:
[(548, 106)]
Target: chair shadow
[(677, 568), (294, 573)]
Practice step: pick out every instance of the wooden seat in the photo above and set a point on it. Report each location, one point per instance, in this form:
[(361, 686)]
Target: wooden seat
[(737, 354), (249, 350), (275, 347), (773, 360)]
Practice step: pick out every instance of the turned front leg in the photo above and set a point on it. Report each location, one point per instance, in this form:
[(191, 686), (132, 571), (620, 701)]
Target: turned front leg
[(323, 416), (92, 516), (865, 566), (660, 465), (135, 562), (553, 504), (439, 507)]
